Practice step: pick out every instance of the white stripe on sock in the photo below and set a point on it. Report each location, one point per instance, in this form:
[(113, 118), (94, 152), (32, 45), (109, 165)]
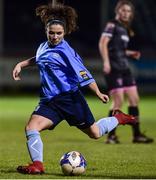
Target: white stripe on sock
[(36, 141)]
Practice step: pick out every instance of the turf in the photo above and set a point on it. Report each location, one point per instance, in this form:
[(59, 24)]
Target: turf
[(126, 160)]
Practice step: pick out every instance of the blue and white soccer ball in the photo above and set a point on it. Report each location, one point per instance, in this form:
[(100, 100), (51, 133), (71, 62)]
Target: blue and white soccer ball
[(73, 163)]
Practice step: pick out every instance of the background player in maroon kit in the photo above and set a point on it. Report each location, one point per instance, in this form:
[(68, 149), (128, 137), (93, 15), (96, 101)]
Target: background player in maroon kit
[(113, 49)]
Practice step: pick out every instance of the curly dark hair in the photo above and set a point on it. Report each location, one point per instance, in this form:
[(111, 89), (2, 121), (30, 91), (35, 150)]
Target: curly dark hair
[(60, 12)]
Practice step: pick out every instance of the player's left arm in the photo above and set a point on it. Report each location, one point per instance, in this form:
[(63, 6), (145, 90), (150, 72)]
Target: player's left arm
[(103, 97), (133, 54)]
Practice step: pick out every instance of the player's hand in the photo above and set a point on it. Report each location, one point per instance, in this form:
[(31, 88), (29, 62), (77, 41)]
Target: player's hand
[(103, 97), (16, 72), (136, 54), (133, 54), (106, 68)]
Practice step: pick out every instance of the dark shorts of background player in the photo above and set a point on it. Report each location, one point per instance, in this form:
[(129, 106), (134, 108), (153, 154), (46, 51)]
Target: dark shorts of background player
[(69, 106), (119, 79)]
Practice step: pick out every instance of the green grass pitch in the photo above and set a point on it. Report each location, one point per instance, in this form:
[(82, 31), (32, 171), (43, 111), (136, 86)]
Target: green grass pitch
[(126, 160)]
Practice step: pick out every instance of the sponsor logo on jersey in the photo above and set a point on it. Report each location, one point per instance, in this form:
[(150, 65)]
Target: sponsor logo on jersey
[(37, 108), (125, 38)]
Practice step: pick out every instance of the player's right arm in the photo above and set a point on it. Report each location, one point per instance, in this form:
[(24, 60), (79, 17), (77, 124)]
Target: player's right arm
[(17, 69), (103, 48), (106, 36)]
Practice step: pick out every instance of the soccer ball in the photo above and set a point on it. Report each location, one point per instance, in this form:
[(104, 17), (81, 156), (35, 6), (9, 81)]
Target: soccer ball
[(73, 163)]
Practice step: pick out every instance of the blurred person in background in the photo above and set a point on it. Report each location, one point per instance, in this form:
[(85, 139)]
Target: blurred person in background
[(62, 74), (113, 46)]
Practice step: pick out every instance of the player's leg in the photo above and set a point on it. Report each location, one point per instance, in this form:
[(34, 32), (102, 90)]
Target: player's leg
[(117, 98), (34, 143), (44, 117), (133, 100), (103, 126), (114, 82), (36, 124), (133, 109), (106, 125), (79, 114)]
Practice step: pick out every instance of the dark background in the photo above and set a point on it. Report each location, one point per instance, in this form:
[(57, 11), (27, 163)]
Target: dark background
[(23, 32)]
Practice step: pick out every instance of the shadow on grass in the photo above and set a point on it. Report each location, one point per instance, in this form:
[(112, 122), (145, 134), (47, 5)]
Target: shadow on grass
[(8, 171), (91, 176), (85, 176), (117, 177)]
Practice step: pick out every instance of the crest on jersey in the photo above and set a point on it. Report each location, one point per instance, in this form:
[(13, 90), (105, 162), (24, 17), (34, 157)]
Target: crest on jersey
[(84, 75), (120, 81), (55, 55)]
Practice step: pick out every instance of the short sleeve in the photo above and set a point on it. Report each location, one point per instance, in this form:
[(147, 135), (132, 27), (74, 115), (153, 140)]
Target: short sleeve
[(109, 29)]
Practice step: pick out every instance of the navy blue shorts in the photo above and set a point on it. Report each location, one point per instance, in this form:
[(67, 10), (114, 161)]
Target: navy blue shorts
[(69, 106)]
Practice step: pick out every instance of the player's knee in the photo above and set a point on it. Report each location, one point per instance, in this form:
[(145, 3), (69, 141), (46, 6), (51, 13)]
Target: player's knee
[(118, 104), (137, 100), (30, 127), (134, 102)]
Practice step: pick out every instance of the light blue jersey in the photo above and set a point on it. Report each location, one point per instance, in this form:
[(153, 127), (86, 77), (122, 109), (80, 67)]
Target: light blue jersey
[(61, 70)]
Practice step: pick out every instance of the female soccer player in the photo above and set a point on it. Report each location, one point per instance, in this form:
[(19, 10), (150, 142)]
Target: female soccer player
[(62, 73), (113, 49)]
